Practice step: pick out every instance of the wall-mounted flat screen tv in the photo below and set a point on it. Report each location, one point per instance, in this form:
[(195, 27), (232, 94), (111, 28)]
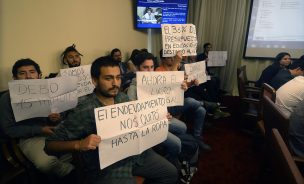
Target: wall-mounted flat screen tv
[(153, 13)]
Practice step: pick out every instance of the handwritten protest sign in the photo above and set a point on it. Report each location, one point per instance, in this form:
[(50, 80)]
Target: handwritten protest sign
[(217, 58), (179, 37), (161, 83), (85, 85), (130, 128), (196, 71), (40, 97)]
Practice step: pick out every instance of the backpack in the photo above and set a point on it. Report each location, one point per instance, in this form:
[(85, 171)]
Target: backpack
[(189, 157)]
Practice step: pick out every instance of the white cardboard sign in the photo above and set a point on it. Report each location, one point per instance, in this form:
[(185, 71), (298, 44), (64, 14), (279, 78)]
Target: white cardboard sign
[(85, 85), (161, 83), (196, 71), (179, 37), (40, 97), (130, 128)]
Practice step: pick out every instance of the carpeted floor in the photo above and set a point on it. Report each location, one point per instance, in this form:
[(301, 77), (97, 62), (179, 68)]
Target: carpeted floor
[(234, 158)]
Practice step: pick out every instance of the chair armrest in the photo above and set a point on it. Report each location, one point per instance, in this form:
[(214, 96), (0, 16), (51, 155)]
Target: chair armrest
[(253, 88), (18, 153), (250, 92), (261, 126), (8, 155), (250, 82), (298, 159), (251, 100)]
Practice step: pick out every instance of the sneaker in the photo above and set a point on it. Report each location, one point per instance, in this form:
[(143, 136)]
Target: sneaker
[(184, 172), (203, 146), (187, 173), (220, 114)]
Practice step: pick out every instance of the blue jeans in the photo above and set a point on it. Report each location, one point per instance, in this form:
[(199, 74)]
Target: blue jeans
[(192, 109), (172, 145), (155, 169), (177, 127)]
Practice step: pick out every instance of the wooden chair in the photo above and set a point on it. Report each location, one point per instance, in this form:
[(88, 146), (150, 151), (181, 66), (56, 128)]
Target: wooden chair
[(274, 118), (243, 85), (248, 83), (249, 106), (269, 91), (284, 168), (12, 168)]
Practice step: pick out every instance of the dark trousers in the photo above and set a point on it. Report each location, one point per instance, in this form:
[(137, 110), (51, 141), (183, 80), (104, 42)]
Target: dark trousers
[(154, 169)]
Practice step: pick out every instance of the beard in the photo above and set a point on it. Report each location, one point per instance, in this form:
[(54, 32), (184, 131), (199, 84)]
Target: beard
[(106, 92), (72, 65)]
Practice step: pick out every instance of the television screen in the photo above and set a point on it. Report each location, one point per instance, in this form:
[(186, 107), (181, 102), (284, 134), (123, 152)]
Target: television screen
[(153, 13)]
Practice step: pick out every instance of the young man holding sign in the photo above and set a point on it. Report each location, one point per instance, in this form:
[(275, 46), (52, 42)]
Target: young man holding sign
[(191, 106), (144, 61), (31, 132), (71, 57), (79, 133)]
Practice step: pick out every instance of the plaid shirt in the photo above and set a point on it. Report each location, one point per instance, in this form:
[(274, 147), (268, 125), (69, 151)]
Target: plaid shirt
[(80, 123)]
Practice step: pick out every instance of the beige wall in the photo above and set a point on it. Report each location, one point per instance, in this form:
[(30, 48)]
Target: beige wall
[(42, 29)]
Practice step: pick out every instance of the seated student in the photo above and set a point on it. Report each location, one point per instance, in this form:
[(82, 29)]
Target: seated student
[(186, 60), (70, 57), (290, 94), (285, 75), (144, 61), (204, 93), (117, 56), (296, 130), (78, 133), (126, 76), (282, 60), (204, 55), (32, 132), (130, 63), (192, 108), (212, 86)]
